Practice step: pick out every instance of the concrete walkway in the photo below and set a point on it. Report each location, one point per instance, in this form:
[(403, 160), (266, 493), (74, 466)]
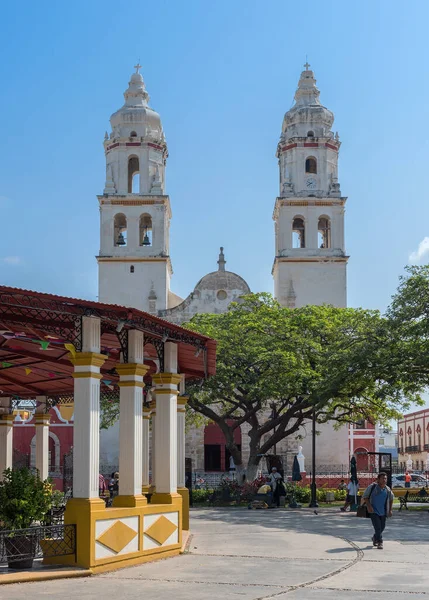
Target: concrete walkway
[(275, 554)]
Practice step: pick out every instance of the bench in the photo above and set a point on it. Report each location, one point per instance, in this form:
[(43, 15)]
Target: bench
[(413, 496)]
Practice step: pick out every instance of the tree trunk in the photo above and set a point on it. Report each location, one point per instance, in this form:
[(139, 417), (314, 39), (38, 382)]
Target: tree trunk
[(240, 473)]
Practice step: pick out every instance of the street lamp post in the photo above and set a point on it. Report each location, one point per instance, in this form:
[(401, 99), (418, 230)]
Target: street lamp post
[(313, 501)]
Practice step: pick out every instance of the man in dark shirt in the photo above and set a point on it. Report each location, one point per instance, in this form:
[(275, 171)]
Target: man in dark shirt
[(379, 500)]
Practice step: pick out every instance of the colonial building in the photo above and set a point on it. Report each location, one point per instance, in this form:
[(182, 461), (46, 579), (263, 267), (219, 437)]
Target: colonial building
[(413, 440)]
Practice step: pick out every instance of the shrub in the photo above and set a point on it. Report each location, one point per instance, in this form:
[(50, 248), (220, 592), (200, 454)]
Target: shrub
[(200, 496), (24, 498)]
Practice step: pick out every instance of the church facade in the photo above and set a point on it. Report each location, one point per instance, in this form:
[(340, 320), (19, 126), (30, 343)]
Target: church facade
[(310, 262)]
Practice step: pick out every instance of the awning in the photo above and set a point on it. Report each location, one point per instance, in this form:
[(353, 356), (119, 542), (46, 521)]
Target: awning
[(38, 330)]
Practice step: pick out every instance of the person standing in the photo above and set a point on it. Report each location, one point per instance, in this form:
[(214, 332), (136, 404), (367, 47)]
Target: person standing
[(275, 478), (352, 491), (378, 498), (407, 480)]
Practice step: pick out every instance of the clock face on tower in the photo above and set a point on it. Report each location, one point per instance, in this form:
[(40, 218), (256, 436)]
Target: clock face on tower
[(310, 183)]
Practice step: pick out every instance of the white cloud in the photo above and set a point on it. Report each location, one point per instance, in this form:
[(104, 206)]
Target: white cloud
[(421, 255), (12, 260)]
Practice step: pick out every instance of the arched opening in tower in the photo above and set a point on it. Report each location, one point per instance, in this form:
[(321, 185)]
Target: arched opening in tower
[(145, 229), (133, 175), (324, 233), (298, 233), (120, 230)]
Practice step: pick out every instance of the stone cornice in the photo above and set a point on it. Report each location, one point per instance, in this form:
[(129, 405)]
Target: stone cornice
[(307, 201), (134, 200)]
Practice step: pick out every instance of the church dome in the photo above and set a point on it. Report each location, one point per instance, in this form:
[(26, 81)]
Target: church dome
[(136, 118), (222, 282), (307, 117)]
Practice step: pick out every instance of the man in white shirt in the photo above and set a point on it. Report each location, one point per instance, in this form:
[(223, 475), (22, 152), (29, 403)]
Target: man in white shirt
[(352, 490)]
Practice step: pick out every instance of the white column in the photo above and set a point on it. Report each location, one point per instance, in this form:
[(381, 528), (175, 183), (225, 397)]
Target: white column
[(86, 428), (145, 448), (181, 413), (153, 436), (166, 435), (6, 443), (42, 444), (130, 423)]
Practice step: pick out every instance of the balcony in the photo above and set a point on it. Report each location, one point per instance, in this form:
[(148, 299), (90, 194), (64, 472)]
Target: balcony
[(413, 449)]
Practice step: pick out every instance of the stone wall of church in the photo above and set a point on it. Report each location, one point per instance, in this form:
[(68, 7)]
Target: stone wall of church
[(314, 282)]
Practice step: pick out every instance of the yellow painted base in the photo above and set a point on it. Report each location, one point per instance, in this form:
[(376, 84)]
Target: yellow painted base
[(86, 513), (161, 498), (184, 492), (43, 575), (129, 501)]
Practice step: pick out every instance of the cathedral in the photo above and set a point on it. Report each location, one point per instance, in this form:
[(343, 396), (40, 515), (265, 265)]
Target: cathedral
[(310, 262)]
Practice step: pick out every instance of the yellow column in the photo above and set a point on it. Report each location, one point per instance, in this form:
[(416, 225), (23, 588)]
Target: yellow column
[(86, 443), (181, 473)]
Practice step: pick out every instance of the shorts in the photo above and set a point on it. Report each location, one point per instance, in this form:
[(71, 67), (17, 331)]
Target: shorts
[(350, 499)]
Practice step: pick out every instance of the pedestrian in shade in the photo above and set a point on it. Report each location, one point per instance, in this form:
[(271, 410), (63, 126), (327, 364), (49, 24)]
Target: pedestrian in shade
[(378, 498)]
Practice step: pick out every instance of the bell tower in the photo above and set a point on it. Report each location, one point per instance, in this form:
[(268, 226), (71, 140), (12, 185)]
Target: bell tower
[(310, 260), (134, 266)]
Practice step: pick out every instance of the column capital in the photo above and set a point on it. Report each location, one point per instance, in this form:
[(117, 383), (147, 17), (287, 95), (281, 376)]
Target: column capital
[(182, 401), (135, 369), (88, 359), (42, 419), (166, 378)]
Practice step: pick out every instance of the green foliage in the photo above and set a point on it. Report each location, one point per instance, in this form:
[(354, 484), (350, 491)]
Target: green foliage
[(24, 498), (109, 411), (409, 317), (303, 493), (200, 496), (57, 499), (286, 363)]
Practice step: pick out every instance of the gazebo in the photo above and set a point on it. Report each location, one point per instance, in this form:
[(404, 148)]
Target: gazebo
[(53, 348)]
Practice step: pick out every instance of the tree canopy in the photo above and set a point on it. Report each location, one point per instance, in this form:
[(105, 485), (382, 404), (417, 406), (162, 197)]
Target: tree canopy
[(276, 365)]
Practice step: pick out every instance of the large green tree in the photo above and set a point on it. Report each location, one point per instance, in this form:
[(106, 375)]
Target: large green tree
[(275, 366), (409, 318)]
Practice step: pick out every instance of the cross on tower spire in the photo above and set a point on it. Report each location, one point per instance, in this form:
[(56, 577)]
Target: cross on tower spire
[(137, 66), (306, 65)]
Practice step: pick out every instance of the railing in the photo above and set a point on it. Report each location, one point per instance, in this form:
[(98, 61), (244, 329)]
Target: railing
[(37, 542), (412, 449), (426, 446)]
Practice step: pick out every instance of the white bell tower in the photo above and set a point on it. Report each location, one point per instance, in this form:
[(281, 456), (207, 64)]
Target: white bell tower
[(134, 267), (310, 260)]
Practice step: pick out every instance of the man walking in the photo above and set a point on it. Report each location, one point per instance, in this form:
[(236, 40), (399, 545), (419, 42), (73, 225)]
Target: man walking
[(379, 500)]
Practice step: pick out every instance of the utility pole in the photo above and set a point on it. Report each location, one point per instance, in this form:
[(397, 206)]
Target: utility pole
[(313, 502)]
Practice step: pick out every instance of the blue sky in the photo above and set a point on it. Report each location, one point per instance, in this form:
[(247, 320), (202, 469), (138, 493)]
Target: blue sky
[(221, 74)]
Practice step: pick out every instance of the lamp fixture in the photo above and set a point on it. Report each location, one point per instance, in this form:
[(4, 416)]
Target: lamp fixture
[(120, 326)]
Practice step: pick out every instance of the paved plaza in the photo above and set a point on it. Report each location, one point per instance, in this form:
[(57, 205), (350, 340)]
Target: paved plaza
[(258, 555)]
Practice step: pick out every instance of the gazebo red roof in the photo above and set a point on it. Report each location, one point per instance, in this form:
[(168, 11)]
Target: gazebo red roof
[(35, 329)]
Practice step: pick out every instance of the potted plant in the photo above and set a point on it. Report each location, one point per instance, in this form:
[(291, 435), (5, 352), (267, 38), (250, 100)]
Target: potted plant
[(24, 500)]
